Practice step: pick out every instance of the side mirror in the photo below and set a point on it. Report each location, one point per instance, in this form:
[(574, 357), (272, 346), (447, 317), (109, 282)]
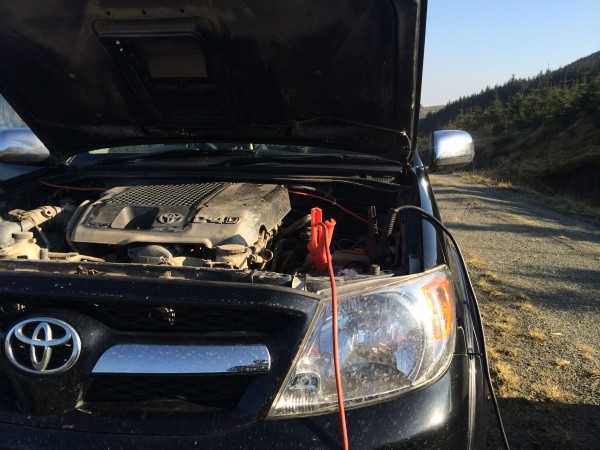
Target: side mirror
[(20, 145), (449, 149)]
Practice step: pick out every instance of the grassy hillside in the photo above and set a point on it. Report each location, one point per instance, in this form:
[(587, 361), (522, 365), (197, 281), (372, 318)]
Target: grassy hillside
[(541, 132), (424, 111)]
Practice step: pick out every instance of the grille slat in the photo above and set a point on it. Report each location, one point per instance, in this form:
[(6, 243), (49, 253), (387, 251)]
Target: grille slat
[(158, 319), (222, 392), (188, 319), (7, 396)]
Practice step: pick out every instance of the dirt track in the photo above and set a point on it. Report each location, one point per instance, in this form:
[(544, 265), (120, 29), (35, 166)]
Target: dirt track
[(537, 275)]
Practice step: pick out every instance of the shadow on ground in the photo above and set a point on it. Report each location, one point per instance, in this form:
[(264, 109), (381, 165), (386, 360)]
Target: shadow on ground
[(543, 425)]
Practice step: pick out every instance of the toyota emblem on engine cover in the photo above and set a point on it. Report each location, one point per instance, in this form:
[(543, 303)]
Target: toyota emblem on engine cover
[(170, 218), (42, 345)]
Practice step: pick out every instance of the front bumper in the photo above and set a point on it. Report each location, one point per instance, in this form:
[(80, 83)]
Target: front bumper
[(450, 413)]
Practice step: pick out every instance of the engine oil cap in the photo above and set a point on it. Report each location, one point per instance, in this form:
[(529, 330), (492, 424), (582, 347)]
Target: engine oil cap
[(22, 235), (231, 249)]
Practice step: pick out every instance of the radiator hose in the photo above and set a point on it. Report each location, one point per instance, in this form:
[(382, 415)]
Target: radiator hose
[(26, 220)]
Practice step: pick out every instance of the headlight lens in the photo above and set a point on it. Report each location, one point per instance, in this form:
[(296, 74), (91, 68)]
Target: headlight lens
[(391, 339)]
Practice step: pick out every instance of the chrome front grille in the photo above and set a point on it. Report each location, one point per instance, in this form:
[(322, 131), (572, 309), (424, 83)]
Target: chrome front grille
[(202, 320)]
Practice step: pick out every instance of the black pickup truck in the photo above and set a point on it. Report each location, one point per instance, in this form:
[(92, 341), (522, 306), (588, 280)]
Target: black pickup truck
[(232, 233)]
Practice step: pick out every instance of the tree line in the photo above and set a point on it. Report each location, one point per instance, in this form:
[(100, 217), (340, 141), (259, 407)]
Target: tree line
[(561, 95)]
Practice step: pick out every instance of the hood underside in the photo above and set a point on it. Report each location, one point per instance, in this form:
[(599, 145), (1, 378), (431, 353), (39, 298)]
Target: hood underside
[(95, 74)]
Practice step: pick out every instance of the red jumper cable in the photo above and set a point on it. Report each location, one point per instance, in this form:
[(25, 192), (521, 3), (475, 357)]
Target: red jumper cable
[(320, 257)]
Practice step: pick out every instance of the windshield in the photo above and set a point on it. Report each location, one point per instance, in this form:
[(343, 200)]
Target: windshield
[(210, 153), (161, 148)]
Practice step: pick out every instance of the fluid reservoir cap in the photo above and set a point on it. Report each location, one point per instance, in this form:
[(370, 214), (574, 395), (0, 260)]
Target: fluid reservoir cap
[(231, 249), (22, 235)]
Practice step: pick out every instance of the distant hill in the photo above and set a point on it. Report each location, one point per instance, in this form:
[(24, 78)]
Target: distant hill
[(8, 117), (572, 75), (542, 132), (425, 110)]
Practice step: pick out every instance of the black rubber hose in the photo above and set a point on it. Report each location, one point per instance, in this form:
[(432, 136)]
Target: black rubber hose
[(289, 230), (289, 260), (277, 249), (312, 189)]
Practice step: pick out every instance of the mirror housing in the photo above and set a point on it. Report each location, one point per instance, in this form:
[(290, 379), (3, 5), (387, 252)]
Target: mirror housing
[(20, 145), (449, 149)]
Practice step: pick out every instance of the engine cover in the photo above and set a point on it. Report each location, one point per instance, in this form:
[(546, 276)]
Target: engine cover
[(209, 214)]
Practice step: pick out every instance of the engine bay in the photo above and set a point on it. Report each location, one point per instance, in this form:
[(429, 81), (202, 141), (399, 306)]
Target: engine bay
[(226, 226)]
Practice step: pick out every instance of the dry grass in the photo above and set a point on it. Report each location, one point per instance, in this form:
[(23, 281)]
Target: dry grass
[(489, 275), (492, 352), (490, 313), (516, 218), (560, 363), (508, 381), (512, 352), (475, 261), (537, 334), (525, 306), (477, 178), (523, 303), (506, 184), (489, 288), (503, 323), (485, 178), (486, 279), (484, 285), (584, 348), (587, 351), (501, 326), (551, 392)]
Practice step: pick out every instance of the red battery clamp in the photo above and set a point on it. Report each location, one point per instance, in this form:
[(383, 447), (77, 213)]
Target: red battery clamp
[(320, 238)]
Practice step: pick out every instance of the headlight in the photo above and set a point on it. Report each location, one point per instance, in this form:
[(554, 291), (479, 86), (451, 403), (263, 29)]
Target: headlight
[(392, 339)]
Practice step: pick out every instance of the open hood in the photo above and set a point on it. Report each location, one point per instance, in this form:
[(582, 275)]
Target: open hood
[(101, 73)]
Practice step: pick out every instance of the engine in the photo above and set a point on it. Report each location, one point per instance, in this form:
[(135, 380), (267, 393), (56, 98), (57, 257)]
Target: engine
[(205, 224), (220, 225)]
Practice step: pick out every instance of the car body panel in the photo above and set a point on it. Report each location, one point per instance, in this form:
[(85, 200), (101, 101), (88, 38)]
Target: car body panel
[(435, 418), (255, 72)]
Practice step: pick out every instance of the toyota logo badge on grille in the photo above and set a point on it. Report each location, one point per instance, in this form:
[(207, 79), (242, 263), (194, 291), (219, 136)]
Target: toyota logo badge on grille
[(42, 345)]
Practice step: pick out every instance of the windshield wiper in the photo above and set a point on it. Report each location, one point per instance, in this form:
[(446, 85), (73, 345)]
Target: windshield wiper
[(172, 154), (299, 125), (304, 158)]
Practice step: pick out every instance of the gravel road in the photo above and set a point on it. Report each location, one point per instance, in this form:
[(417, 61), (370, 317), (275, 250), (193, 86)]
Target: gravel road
[(537, 275)]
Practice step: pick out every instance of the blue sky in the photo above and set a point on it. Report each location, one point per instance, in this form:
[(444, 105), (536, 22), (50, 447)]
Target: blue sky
[(472, 44)]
